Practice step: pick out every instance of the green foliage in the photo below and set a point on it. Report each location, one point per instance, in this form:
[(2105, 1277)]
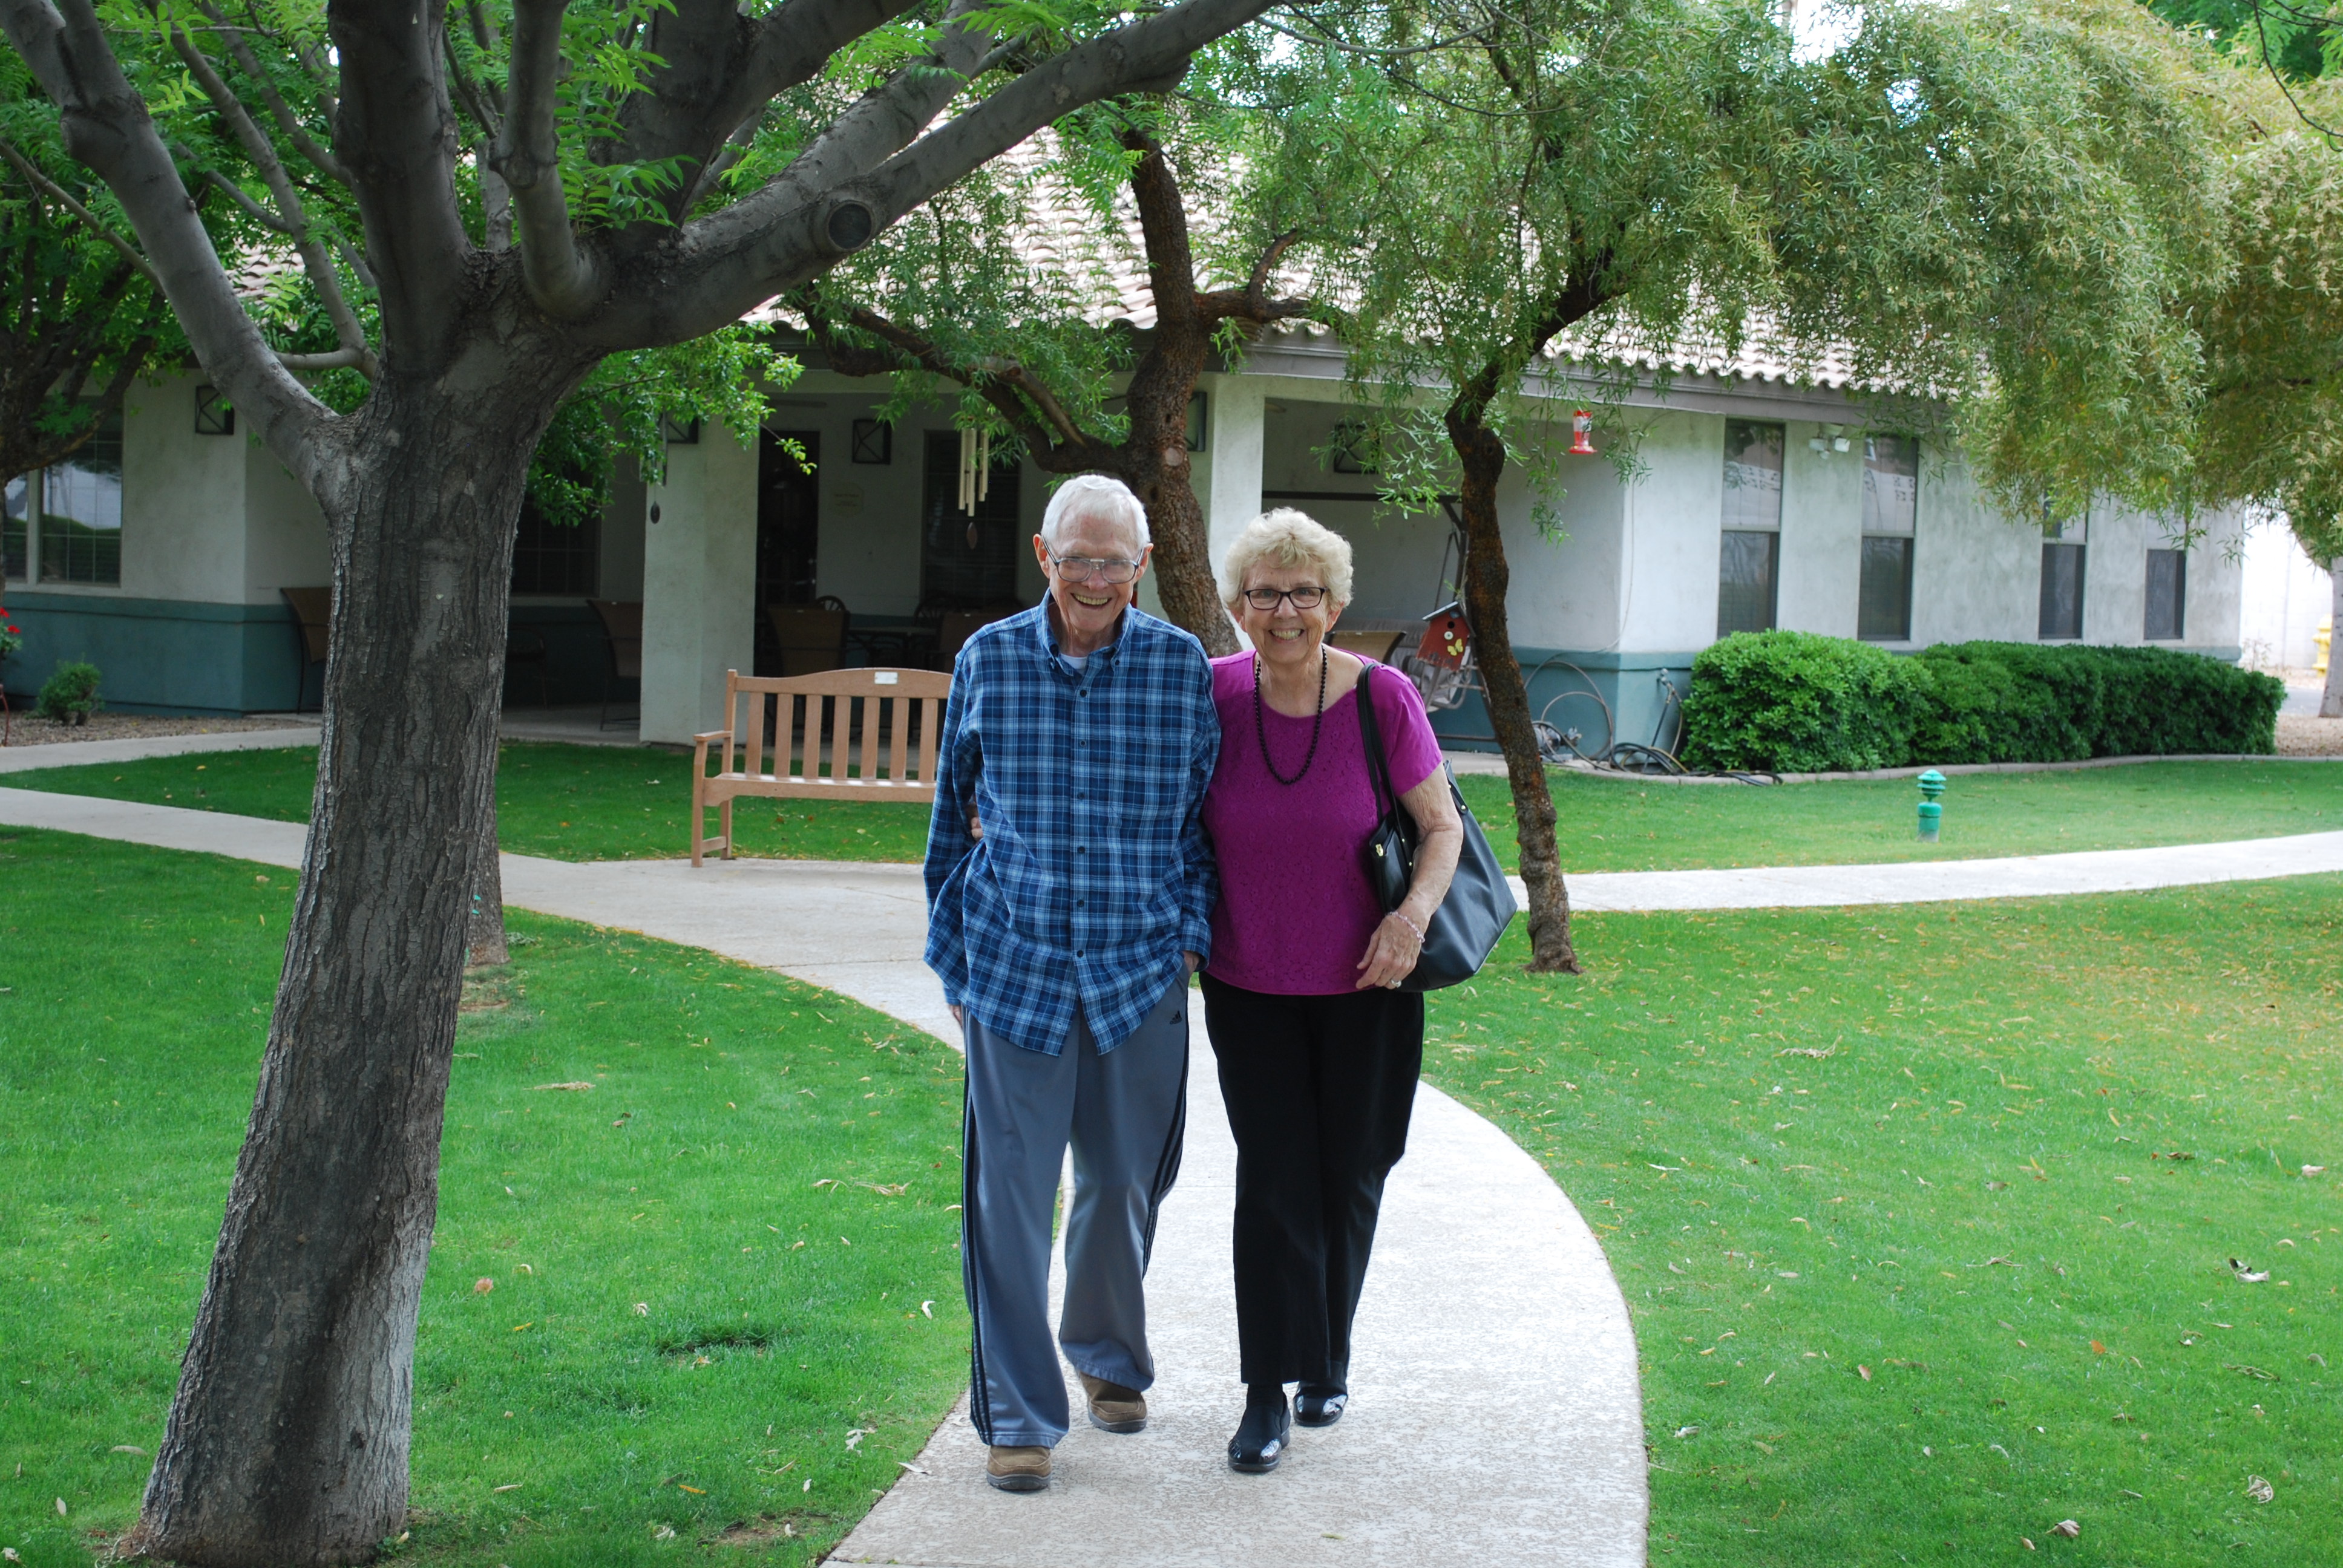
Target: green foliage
[(2024, 702), (2298, 40), (1792, 702), (11, 637), (1999, 206), (72, 689)]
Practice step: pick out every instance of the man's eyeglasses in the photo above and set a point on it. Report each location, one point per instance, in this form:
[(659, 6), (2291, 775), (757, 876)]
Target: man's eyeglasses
[(1267, 598), (1083, 569)]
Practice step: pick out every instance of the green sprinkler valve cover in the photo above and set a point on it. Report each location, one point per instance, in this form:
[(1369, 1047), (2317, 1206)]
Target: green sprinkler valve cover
[(1932, 811)]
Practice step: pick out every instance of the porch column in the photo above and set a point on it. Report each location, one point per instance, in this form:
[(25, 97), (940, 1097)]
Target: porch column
[(1231, 497), (700, 575)]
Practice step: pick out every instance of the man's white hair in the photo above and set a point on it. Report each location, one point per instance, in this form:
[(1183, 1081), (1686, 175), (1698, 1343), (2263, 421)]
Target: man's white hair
[(1287, 538), (1099, 499)]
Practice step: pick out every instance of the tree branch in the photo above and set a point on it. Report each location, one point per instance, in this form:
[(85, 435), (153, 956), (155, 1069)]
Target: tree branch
[(235, 193), (279, 110), (561, 275), (719, 267), (394, 131), (107, 128), (293, 220), (64, 198)]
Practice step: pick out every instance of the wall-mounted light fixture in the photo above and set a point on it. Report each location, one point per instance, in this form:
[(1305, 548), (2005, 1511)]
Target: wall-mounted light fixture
[(214, 415), (1833, 439), (679, 432), (874, 441)]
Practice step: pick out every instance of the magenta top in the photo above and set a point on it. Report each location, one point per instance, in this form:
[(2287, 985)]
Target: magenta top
[(1296, 910)]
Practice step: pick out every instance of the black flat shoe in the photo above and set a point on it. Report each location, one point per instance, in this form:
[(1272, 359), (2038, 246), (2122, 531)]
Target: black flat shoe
[(1319, 1404), (1261, 1437)]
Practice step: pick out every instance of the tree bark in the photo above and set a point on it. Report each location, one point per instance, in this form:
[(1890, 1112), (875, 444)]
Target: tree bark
[(2330, 701), (287, 1441), (1480, 455), (484, 919)]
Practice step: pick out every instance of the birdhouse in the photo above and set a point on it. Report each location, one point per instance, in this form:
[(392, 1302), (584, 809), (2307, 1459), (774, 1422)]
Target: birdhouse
[(1446, 639), (1582, 434)]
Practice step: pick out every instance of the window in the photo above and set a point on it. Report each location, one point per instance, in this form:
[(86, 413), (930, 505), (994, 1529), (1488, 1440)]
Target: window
[(15, 507), (563, 559), (2063, 547), (1750, 558), (1891, 509), (967, 562), (2168, 596), (81, 513)]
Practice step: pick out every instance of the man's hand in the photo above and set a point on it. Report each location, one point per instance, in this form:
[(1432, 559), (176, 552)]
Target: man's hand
[(960, 1015), (1194, 963)]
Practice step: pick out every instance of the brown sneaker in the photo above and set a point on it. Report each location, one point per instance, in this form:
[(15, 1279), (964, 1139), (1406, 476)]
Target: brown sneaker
[(1018, 1469), (1114, 1408)]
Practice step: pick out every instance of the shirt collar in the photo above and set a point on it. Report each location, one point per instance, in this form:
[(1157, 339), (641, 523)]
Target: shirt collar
[(1045, 628)]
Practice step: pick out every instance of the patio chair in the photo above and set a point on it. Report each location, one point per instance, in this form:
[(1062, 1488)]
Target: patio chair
[(313, 614), (958, 624), (812, 638), (622, 634), (1375, 645)]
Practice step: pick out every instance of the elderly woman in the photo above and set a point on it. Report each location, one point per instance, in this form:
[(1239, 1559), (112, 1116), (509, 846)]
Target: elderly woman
[(1318, 1048)]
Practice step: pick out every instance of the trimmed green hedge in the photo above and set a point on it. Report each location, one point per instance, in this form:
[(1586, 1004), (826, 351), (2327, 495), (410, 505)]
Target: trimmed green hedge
[(1792, 702)]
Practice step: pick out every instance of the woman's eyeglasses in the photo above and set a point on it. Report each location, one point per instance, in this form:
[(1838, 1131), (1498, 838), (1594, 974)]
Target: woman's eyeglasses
[(1302, 598), (1083, 569)]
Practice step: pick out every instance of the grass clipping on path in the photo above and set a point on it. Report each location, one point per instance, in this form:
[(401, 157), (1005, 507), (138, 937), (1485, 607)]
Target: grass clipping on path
[(1925, 1216), (712, 1298)]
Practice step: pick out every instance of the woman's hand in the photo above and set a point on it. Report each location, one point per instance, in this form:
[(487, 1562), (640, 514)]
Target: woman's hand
[(1392, 953)]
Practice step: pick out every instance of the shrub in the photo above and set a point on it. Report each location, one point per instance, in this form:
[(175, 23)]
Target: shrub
[(72, 689), (1792, 702)]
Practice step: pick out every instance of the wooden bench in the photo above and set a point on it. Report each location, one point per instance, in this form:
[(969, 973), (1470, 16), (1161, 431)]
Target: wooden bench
[(886, 706)]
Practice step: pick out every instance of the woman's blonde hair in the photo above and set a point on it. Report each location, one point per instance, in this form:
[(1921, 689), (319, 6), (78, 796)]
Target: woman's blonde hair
[(1288, 539)]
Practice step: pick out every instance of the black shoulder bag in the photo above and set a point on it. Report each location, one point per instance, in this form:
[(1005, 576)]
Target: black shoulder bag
[(1480, 903)]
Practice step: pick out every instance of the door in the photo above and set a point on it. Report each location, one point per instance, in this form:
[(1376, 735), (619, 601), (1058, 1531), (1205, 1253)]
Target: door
[(787, 531)]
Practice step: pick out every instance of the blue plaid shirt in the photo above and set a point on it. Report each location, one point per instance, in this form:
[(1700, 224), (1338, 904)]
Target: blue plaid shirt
[(1094, 872)]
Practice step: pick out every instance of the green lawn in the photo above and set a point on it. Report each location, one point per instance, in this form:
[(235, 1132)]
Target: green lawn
[(2031, 1134), (721, 1302), (1616, 825), (608, 803), (565, 803)]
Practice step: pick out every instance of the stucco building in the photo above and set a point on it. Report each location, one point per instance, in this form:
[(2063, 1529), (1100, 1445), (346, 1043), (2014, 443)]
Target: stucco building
[(162, 553)]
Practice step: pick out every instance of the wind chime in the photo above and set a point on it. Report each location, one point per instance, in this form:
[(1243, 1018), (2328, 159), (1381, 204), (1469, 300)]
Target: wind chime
[(975, 475)]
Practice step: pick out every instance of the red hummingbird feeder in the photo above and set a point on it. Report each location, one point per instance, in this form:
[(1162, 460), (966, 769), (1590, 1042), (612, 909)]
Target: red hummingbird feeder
[(1582, 432)]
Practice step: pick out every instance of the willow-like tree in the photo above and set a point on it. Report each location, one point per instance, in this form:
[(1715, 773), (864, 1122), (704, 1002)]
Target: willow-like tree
[(1999, 202), (953, 299), (80, 316), (662, 168)]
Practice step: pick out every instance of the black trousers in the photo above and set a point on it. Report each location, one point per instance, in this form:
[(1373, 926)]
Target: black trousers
[(1319, 1090)]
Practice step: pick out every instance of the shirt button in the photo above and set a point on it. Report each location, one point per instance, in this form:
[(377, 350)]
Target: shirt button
[(1078, 952), (1079, 902), (1081, 849)]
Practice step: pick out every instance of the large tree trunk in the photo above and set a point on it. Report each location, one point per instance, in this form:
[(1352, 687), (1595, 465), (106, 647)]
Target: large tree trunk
[(287, 1442), (1480, 454), (2330, 702), (1155, 457)]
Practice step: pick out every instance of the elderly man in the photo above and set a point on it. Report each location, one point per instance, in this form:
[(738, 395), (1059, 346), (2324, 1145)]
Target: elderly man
[(1082, 736)]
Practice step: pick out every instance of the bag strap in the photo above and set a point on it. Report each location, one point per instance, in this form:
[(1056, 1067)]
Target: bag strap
[(1379, 779)]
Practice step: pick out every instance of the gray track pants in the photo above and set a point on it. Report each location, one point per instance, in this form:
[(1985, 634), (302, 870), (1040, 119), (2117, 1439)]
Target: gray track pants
[(1125, 1112)]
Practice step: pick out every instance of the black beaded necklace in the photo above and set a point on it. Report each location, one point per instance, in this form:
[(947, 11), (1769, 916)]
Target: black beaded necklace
[(1261, 729)]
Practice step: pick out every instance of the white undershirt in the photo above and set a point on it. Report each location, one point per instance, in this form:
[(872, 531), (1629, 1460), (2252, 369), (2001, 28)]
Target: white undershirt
[(1074, 661)]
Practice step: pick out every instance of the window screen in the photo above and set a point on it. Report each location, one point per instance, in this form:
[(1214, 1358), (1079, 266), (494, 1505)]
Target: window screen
[(1883, 600), (1744, 581), (2167, 595), (967, 562), (2062, 591), (557, 558), (1891, 484), (81, 513), (1753, 475)]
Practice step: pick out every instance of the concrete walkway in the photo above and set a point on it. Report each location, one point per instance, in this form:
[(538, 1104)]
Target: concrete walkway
[(1495, 1422)]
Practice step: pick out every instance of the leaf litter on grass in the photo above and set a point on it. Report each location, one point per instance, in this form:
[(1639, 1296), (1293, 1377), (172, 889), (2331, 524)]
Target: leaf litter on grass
[(2009, 1329)]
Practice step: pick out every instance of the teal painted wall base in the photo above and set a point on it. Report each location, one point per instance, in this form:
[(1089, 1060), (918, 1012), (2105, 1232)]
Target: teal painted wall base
[(173, 657), (1605, 697), (159, 656)]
